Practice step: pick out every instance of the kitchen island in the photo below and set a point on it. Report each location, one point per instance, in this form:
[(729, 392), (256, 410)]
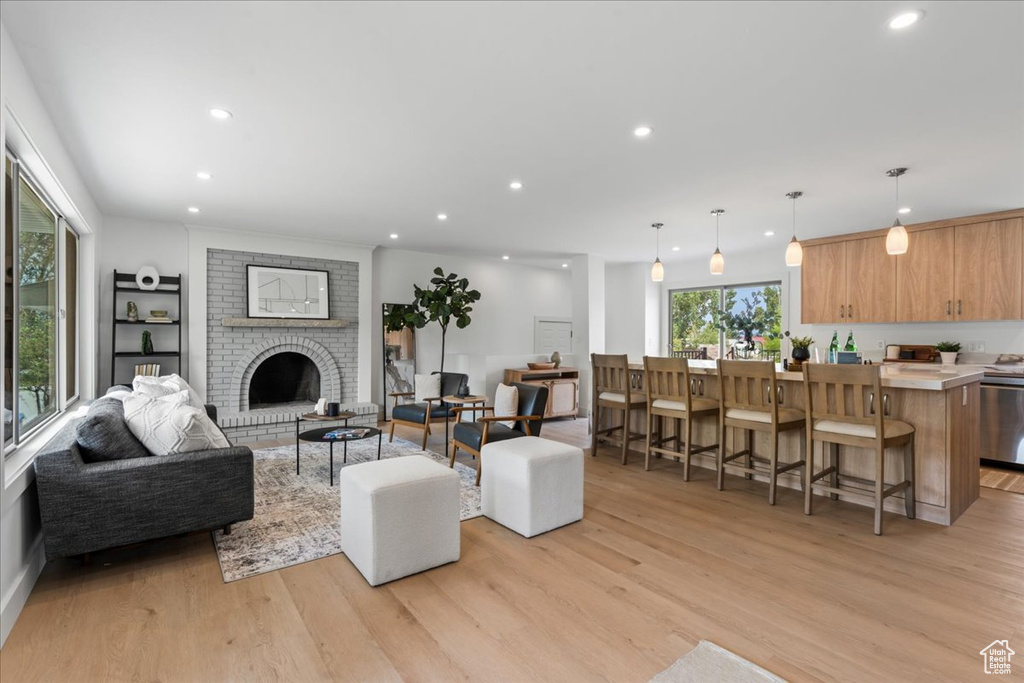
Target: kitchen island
[(941, 402)]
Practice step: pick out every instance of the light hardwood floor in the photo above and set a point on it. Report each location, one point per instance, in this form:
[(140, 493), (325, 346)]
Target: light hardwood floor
[(655, 566)]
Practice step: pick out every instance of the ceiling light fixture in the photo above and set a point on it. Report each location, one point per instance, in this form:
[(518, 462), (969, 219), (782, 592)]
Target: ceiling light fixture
[(905, 209), (193, 209), (897, 240), (642, 131), (675, 248), (505, 257), (221, 114), (203, 175), (393, 236), (442, 216), (516, 185), (565, 265), (657, 270), (769, 233), (794, 252), (906, 19), (717, 260)]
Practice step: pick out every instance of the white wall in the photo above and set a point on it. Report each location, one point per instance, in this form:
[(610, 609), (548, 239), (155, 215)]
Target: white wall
[(632, 310), (501, 332), (27, 128), (130, 244), (999, 337)]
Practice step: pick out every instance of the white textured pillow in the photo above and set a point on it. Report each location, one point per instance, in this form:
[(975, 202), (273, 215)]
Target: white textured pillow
[(427, 386), (506, 402), (164, 386), (168, 424)]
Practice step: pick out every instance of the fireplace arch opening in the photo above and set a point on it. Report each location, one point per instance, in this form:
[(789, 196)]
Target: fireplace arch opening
[(285, 377)]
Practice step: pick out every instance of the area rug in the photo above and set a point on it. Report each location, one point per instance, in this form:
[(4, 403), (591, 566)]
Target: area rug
[(708, 662), (296, 517)]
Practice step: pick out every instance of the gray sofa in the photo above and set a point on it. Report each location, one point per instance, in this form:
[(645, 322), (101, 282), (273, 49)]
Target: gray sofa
[(88, 504)]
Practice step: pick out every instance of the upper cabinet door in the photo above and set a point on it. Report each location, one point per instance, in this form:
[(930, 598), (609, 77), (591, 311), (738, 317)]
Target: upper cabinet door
[(988, 270), (870, 282), (823, 283), (924, 277)]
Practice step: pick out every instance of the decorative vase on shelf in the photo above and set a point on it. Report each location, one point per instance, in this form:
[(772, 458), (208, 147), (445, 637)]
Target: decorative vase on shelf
[(556, 358), (147, 343), (801, 353), (133, 312)]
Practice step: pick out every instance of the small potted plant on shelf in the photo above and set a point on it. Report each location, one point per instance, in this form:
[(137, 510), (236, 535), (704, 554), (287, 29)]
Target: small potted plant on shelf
[(948, 351)]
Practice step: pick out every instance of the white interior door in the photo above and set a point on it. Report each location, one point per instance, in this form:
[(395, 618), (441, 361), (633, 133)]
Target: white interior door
[(552, 335)]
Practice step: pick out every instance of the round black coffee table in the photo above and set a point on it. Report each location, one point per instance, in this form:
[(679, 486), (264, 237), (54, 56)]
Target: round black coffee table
[(319, 435)]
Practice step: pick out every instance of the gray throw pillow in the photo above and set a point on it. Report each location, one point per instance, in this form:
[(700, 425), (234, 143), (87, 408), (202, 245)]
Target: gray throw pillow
[(103, 434)]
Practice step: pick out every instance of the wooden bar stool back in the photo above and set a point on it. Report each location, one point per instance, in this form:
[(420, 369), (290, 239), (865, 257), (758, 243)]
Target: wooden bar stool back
[(612, 392), (672, 393), (752, 401), (845, 406)]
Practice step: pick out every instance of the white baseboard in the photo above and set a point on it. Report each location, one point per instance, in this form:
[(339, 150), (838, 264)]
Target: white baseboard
[(17, 596)]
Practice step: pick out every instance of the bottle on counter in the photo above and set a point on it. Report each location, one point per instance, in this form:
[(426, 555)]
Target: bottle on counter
[(833, 348), (851, 345)]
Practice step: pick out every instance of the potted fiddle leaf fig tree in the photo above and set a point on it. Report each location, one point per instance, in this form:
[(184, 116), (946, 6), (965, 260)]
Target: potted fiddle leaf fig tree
[(447, 299)]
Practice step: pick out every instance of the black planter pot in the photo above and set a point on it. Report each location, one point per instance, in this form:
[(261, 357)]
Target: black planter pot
[(801, 354)]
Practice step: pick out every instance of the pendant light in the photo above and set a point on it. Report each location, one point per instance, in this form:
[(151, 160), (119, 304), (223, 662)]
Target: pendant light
[(657, 270), (897, 240), (794, 252), (717, 260)]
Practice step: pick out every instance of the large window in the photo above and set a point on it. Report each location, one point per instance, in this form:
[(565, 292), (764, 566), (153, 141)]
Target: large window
[(40, 307), (738, 321)]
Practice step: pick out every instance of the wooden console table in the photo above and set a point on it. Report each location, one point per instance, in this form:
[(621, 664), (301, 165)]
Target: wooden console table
[(563, 388)]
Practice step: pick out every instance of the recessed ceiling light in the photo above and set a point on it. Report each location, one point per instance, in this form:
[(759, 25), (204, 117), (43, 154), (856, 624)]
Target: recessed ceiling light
[(222, 114), (642, 131), (675, 248), (442, 216), (769, 233), (565, 265), (906, 19), (393, 236), (905, 209), (505, 257), (203, 175), (193, 209), (516, 185)]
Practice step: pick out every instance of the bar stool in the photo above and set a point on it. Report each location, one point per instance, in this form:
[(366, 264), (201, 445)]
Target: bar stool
[(671, 393), (842, 409), (752, 401), (612, 391)]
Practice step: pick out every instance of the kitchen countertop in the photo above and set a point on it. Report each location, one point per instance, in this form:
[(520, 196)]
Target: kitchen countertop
[(929, 377)]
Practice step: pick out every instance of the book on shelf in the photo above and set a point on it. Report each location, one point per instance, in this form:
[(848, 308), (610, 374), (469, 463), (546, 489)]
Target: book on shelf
[(159, 320), (347, 433), (148, 370)]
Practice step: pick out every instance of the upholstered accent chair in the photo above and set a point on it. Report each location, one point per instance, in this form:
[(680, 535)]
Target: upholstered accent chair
[(473, 436), (431, 409)]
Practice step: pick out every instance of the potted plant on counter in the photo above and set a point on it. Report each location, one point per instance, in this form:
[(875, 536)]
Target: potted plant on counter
[(801, 348), (948, 351)]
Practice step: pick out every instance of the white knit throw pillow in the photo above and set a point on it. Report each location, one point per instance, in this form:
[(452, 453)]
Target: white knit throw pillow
[(168, 424), (164, 386), (506, 402), (427, 386)]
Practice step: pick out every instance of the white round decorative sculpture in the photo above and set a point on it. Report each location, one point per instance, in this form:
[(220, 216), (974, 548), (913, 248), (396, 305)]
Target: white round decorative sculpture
[(147, 278)]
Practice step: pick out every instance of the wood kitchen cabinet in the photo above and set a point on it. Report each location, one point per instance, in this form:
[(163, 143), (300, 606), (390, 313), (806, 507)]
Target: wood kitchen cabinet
[(852, 281), (988, 265), (924, 277)]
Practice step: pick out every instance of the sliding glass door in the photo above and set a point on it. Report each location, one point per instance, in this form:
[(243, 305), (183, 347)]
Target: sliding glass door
[(735, 321)]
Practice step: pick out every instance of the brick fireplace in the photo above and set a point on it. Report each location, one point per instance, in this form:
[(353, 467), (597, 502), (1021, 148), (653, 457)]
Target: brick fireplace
[(319, 358)]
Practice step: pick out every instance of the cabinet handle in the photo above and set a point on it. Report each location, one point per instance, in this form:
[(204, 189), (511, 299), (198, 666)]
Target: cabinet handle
[(849, 311), (959, 307), (842, 312), (949, 307)]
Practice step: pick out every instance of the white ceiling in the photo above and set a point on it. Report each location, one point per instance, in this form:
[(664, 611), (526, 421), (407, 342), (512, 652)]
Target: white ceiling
[(356, 120)]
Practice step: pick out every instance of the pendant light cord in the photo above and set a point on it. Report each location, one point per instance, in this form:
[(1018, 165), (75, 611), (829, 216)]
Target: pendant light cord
[(897, 194), (716, 230), (794, 217)]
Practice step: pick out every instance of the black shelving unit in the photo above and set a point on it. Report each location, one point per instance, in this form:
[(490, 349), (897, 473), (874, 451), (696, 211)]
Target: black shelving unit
[(124, 283)]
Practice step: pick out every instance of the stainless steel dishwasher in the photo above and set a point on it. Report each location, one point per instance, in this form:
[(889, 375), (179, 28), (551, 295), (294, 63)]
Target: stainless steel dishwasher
[(1002, 420)]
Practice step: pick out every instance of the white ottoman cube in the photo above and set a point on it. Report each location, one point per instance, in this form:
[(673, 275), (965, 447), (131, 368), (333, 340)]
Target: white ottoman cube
[(399, 516), (531, 485)]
